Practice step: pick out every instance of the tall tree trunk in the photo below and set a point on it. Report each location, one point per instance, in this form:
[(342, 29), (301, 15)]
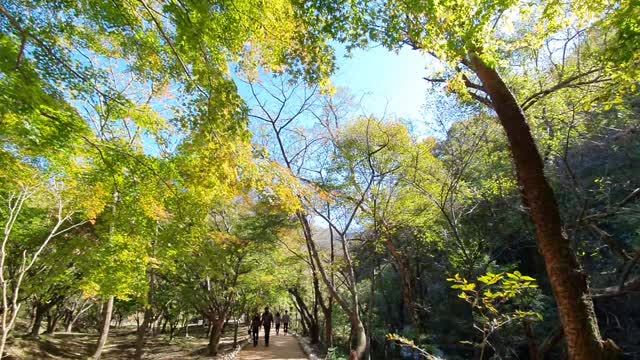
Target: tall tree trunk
[(370, 312), (104, 332), (408, 292), (568, 281), (327, 311), (328, 324), (216, 334)]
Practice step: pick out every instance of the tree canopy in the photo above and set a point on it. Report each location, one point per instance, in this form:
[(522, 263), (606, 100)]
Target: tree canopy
[(167, 165)]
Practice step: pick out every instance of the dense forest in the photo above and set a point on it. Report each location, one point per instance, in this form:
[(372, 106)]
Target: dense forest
[(173, 166)]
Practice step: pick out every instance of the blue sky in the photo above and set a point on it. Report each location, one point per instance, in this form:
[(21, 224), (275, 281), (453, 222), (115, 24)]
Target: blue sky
[(384, 79), (384, 82)]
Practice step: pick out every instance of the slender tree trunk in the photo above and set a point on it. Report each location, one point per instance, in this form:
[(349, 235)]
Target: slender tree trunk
[(568, 281), (328, 324), (69, 327), (32, 316), (350, 307), (156, 325), (408, 292), (52, 322), (327, 311), (303, 321), (235, 334), (68, 316), (142, 332), (104, 332), (370, 312), (309, 319), (164, 325), (172, 329)]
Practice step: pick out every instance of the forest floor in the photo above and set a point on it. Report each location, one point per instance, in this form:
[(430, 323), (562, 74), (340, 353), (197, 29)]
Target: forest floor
[(280, 347), (121, 345)]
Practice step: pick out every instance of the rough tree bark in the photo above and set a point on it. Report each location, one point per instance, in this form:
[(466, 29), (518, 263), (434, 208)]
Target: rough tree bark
[(568, 281), (216, 334)]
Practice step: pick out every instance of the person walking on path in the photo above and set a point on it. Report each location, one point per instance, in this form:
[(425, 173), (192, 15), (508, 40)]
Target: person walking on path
[(267, 319), (285, 321), (277, 319), (255, 328)]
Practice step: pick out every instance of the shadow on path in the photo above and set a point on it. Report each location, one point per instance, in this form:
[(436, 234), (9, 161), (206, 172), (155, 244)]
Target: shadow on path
[(280, 347)]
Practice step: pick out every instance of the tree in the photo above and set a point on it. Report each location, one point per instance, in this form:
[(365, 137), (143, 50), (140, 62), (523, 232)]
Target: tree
[(475, 42), (62, 203), (295, 156)]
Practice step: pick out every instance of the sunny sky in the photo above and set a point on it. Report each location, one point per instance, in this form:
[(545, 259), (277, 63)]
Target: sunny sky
[(384, 79)]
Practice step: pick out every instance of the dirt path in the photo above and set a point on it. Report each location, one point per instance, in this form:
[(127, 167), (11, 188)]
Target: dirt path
[(280, 347)]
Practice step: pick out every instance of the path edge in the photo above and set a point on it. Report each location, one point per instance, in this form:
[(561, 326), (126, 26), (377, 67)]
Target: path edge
[(233, 354), (306, 347)]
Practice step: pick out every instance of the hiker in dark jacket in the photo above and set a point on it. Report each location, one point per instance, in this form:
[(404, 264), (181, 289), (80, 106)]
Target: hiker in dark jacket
[(267, 319), (255, 328)]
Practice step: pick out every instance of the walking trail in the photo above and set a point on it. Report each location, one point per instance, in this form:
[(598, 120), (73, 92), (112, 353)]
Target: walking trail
[(280, 347)]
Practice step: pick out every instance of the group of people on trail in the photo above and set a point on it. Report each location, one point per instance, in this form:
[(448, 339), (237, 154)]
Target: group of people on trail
[(265, 320)]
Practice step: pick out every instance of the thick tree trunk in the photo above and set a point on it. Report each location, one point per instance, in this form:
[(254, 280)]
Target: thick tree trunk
[(358, 337), (568, 281), (41, 311), (216, 334), (104, 332)]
